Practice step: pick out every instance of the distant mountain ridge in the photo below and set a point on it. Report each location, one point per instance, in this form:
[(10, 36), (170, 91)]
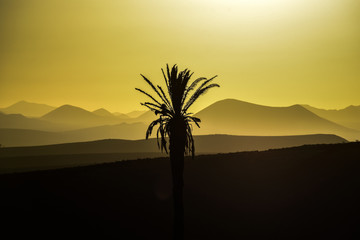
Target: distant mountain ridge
[(67, 117), (103, 113), (135, 114), (232, 116), (18, 121), (71, 115), (227, 116), (28, 137), (28, 109), (349, 116)]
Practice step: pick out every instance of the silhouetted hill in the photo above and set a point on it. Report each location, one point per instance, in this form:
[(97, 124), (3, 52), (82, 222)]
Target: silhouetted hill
[(26, 137), (79, 117), (203, 144), (69, 114), (146, 117), (28, 109), (135, 114), (67, 118), (129, 131), (142, 117), (349, 117), (308, 192), (10, 137), (103, 113), (21, 122), (224, 117), (28, 158), (241, 118)]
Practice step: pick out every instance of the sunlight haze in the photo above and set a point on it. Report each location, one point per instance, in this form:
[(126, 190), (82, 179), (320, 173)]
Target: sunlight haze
[(90, 53)]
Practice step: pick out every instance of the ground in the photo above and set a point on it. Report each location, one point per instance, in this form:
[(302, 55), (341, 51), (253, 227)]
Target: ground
[(295, 193)]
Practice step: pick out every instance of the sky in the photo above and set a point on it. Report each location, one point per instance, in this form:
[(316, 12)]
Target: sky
[(90, 53)]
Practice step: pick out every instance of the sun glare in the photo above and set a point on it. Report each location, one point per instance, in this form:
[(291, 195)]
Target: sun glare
[(61, 46), (280, 4), (256, 11)]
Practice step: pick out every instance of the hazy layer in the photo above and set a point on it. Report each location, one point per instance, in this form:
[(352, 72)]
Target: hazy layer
[(90, 53)]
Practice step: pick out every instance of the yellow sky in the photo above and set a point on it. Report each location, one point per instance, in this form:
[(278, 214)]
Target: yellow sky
[(90, 53)]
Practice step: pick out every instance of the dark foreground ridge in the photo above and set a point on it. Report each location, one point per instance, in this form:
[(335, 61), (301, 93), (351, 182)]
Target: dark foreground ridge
[(294, 193), (21, 159)]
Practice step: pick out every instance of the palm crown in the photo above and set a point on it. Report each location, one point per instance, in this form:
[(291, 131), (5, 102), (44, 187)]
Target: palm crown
[(181, 94)]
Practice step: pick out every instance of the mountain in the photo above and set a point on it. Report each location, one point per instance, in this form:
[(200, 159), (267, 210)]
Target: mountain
[(236, 117), (81, 118), (147, 117), (18, 121), (142, 116), (26, 137), (135, 114), (103, 113), (71, 124), (130, 131), (349, 117), (28, 109), (228, 116)]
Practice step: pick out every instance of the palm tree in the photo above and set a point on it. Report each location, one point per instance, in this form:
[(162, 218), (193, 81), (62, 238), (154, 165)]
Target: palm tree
[(175, 123)]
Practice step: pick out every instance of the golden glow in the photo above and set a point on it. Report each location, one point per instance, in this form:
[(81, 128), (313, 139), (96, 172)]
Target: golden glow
[(90, 53)]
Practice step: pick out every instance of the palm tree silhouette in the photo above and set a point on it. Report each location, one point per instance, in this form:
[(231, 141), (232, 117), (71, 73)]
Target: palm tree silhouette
[(175, 124)]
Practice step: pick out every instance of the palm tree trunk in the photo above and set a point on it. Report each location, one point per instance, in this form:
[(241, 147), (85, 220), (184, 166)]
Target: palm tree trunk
[(177, 148)]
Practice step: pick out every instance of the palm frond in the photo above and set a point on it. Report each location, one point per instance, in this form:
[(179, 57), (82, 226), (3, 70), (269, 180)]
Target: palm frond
[(151, 126), (206, 81), (151, 104), (150, 108), (174, 104), (165, 98), (195, 120), (189, 141), (190, 88), (154, 88), (163, 142), (160, 133), (147, 94), (166, 80), (197, 94)]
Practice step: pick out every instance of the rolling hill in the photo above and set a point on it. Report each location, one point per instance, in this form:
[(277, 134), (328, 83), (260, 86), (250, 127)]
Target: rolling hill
[(103, 113), (146, 117), (28, 137), (135, 114), (232, 117), (242, 118), (349, 117), (18, 121), (67, 117), (81, 118), (17, 159), (28, 109), (130, 131), (203, 144)]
